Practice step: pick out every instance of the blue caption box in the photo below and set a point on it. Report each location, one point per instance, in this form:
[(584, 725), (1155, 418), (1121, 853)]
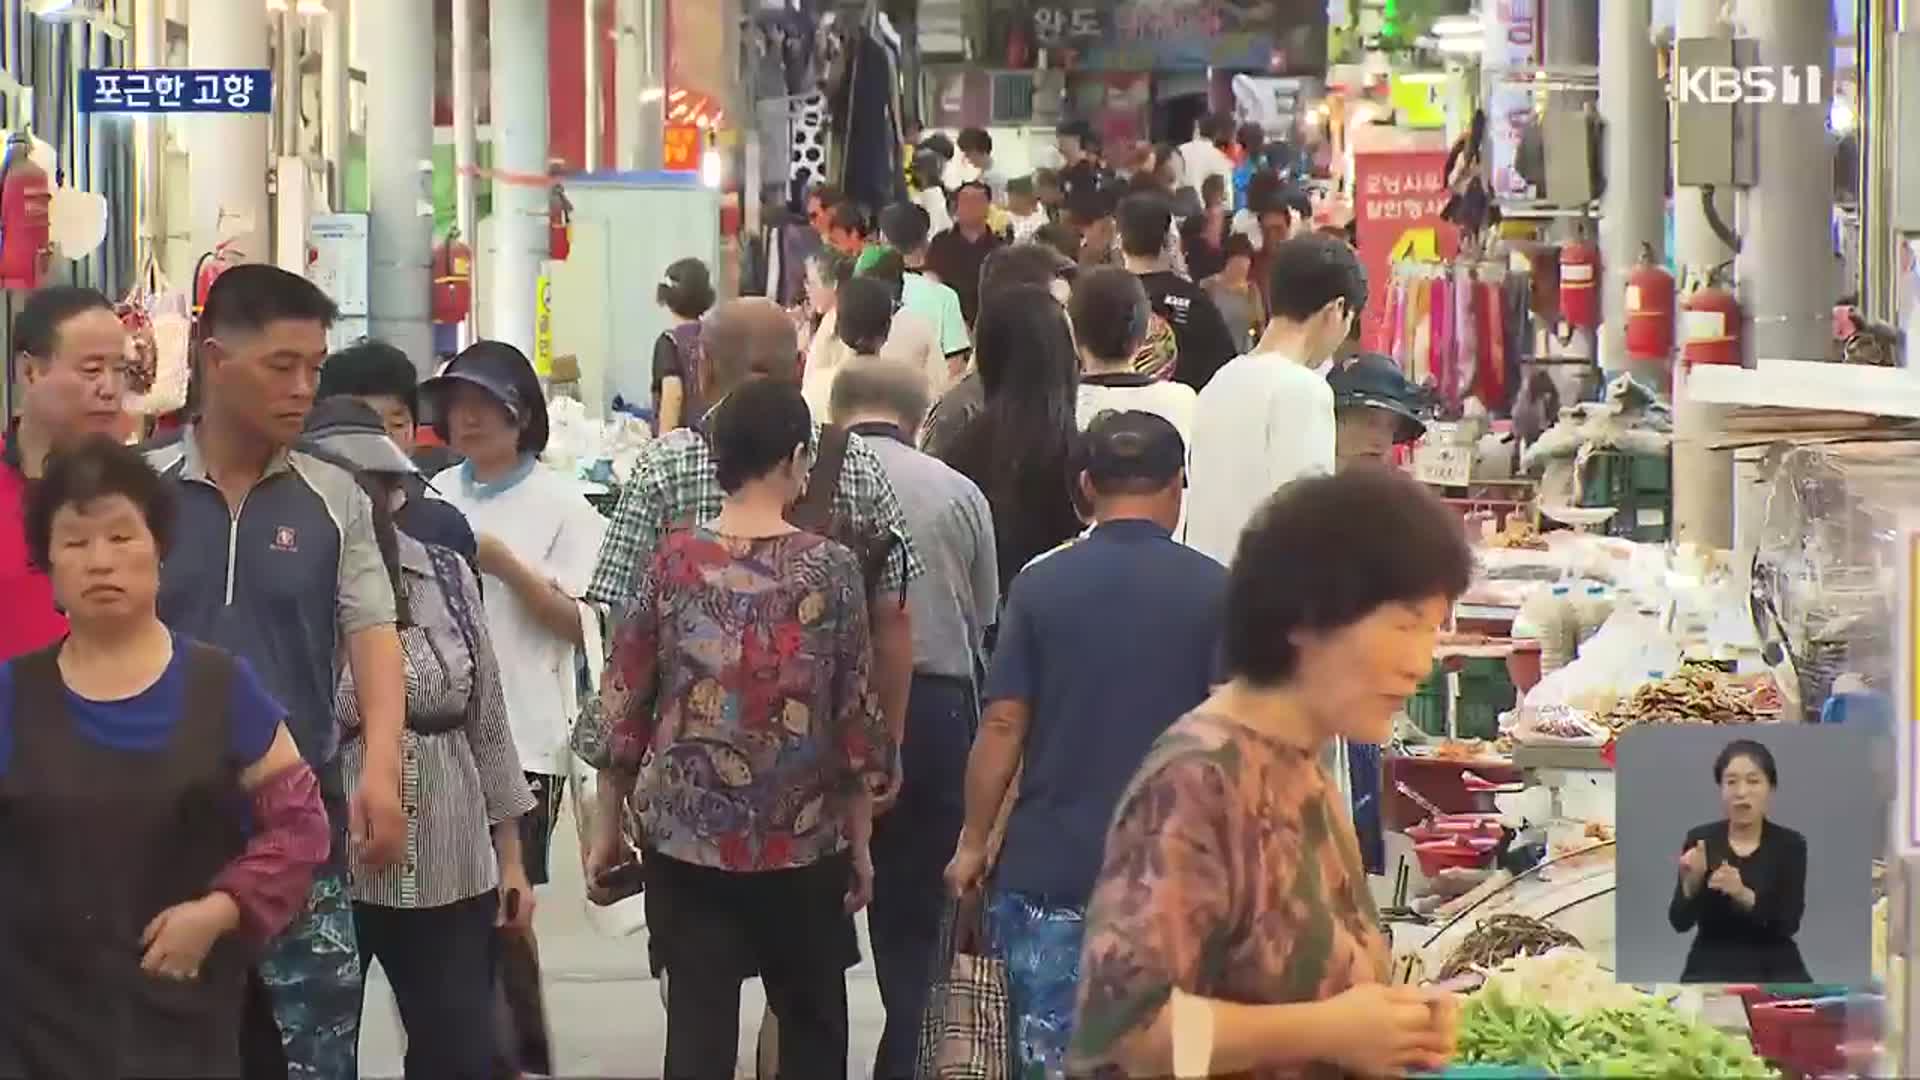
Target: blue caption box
[(176, 90)]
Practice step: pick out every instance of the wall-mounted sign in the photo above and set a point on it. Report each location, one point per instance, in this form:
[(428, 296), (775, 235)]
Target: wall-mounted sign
[(1176, 35), (175, 90), (1398, 197), (680, 149)]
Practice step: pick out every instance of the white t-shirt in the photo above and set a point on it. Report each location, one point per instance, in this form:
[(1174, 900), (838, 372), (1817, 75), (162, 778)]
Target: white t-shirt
[(934, 202), (1201, 159), (1262, 421), (1170, 400), (911, 339), (548, 524)]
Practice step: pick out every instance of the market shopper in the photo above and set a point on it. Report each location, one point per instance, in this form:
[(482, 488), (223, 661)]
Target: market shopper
[(686, 291), (1333, 605), (906, 229), (538, 537), (157, 823), (957, 255), (276, 561), (1204, 156), (673, 485), (1375, 410), (747, 734), (73, 383), (1111, 314), (430, 920), (1026, 215), (1267, 417), (1019, 448), (380, 376), (1234, 293), (1103, 644), (1034, 265), (952, 607), (1743, 880), (1189, 340), (861, 322)]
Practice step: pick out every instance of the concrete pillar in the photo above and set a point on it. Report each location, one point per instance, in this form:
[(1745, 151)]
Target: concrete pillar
[(1702, 477), (1787, 272), (228, 154), (651, 151), (400, 174), (335, 66), (465, 111), (628, 82), (1633, 209), (593, 31), (518, 33), (149, 51)]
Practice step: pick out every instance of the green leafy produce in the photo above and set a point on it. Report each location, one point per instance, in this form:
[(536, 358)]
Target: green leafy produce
[(1647, 1039)]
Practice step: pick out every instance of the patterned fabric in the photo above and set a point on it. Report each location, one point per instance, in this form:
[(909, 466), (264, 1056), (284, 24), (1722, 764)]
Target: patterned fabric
[(455, 785), (1041, 945), (963, 1035), (673, 485), (312, 972), (1231, 873), (738, 690)]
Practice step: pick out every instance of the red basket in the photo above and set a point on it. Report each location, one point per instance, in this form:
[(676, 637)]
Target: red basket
[(1807, 1040), (1441, 855)]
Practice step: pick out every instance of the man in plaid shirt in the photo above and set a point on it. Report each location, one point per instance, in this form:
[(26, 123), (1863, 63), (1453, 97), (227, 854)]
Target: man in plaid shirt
[(673, 485)]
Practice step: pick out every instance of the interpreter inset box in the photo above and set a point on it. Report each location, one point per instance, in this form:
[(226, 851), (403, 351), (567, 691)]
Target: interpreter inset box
[(1746, 854)]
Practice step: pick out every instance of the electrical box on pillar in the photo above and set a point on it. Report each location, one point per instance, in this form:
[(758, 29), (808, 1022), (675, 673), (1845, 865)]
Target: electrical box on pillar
[(26, 244), (1649, 307), (452, 279), (1580, 284), (1710, 324)]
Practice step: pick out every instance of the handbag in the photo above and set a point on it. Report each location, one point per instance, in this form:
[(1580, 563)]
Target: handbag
[(588, 741), (965, 1034)]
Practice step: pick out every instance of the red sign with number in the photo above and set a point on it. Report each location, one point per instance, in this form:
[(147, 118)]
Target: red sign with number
[(681, 150), (1395, 192)]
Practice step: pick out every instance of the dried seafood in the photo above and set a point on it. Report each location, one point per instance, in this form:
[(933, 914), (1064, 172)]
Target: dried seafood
[(1695, 695)]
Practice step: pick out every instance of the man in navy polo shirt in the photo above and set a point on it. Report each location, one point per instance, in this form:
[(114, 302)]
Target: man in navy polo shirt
[(1103, 645), (275, 560)]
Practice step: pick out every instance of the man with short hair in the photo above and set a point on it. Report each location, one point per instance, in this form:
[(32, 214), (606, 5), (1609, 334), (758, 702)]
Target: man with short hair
[(1266, 418), (822, 201), (1188, 340), (1103, 644), (975, 163), (847, 228), (1204, 155), (882, 401), (275, 560), (907, 230), (955, 256), (73, 366)]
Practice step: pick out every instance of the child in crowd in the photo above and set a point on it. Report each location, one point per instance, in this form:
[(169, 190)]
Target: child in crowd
[(1025, 214)]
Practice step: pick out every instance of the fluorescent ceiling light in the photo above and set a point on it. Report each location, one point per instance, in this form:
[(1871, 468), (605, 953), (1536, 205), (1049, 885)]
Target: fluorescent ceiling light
[(652, 94), (1427, 78), (1840, 116), (1455, 26)]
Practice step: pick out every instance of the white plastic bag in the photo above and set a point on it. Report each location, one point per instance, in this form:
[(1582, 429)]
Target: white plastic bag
[(629, 916)]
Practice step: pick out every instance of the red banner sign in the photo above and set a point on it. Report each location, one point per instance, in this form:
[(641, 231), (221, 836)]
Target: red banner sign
[(681, 148), (1395, 192)]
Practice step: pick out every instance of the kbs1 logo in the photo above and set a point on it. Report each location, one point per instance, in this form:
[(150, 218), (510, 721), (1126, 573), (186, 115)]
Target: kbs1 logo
[(1758, 85)]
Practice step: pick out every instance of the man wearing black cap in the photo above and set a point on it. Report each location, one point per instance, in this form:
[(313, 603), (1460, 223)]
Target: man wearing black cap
[(1375, 411), (1103, 644)]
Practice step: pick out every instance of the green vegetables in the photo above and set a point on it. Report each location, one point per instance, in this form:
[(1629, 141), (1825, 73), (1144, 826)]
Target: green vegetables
[(1648, 1039)]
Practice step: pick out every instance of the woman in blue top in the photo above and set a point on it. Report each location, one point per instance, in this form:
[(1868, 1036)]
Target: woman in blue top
[(151, 796)]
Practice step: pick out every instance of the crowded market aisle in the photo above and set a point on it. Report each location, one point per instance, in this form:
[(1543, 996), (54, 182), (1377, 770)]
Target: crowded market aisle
[(602, 1003)]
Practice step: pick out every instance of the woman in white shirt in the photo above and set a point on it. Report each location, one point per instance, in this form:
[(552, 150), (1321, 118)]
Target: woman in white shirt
[(1111, 315), (538, 540)]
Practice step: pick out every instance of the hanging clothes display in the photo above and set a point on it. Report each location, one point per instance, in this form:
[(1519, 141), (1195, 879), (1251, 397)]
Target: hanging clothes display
[(865, 101), (1461, 327)]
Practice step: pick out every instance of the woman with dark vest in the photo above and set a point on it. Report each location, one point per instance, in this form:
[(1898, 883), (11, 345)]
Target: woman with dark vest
[(151, 800)]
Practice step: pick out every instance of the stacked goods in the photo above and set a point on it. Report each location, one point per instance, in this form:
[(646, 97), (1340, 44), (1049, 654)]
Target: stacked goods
[(1562, 1014), (1696, 695)]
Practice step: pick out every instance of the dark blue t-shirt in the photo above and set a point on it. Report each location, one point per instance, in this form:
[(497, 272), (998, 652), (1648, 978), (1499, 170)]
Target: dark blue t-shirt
[(1108, 641), (144, 722)]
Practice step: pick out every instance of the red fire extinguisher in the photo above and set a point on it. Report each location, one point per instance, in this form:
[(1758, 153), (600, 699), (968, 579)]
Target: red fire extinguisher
[(223, 257), (452, 279), (1649, 306), (26, 245), (559, 218), (1710, 326), (1580, 284)]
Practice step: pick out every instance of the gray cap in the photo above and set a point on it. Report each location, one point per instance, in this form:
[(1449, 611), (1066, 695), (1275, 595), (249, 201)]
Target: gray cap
[(347, 430)]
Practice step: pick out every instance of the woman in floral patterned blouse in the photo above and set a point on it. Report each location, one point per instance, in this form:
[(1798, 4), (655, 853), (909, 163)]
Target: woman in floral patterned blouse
[(1231, 932), (740, 706)]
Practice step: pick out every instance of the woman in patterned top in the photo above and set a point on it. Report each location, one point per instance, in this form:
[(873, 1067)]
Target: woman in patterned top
[(740, 708), (1231, 932)]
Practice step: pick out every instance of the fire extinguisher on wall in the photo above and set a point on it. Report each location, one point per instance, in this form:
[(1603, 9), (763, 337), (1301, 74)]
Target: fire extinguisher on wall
[(559, 220), (26, 245), (1710, 324), (1649, 307), (223, 257), (1580, 284), (452, 279)]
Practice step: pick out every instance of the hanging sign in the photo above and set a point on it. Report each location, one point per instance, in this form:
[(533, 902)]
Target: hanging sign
[(1177, 35), (543, 327), (176, 90), (1396, 193), (680, 151), (1512, 45)]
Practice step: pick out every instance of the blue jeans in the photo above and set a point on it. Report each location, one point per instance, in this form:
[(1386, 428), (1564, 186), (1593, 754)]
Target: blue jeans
[(911, 846), (1040, 943)]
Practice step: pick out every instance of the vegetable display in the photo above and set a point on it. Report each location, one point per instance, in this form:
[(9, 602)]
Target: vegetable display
[(1563, 1014), (1499, 938)]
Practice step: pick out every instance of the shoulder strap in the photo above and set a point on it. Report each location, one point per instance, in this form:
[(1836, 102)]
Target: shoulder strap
[(815, 508), (446, 568), (209, 695)]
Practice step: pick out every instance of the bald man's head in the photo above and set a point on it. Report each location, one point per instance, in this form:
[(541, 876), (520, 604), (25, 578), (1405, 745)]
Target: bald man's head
[(748, 337)]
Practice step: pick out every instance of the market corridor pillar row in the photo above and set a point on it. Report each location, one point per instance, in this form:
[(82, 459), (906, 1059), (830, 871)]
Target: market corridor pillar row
[(400, 174), (1633, 208), (227, 162), (518, 40)]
